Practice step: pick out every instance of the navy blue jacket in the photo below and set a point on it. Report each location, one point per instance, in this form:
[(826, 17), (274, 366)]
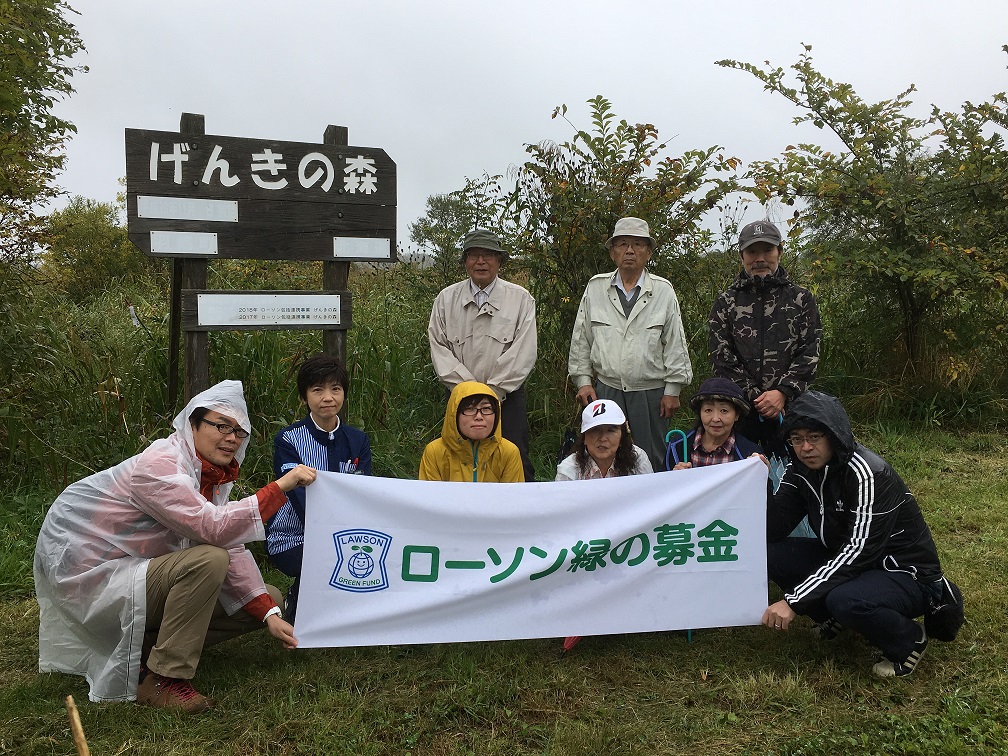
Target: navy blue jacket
[(345, 450)]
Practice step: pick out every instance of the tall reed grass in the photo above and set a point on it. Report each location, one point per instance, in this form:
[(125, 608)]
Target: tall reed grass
[(83, 385)]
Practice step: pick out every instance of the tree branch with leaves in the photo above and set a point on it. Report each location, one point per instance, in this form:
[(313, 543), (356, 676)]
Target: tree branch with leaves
[(911, 210), (37, 42)]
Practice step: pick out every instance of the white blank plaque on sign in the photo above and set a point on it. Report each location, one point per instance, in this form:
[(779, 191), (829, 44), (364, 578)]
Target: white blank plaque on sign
[(183, 243), (187, 208), (357, 247), (254, 310)]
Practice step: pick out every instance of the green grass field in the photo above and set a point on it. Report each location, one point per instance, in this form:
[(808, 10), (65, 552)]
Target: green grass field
[(732, 691)]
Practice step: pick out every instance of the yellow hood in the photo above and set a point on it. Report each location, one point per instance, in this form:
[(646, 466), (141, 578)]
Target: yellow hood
[(449, 430)]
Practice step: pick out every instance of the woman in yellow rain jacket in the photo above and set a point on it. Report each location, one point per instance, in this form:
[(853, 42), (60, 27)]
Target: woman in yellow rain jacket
[(471, 447)]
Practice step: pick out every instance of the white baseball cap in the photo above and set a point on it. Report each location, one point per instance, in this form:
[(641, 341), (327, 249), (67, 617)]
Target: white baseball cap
[(601, 412)]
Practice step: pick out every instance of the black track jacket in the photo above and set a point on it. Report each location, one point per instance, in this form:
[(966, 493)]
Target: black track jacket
[(861, 510)]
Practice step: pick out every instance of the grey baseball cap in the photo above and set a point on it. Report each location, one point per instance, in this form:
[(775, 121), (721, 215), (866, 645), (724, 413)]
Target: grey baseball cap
[(759, 231)]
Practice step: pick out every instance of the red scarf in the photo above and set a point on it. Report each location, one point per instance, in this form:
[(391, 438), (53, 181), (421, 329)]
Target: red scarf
[(213, 476)]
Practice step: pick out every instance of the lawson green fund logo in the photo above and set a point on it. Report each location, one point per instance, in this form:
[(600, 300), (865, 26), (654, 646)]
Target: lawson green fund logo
[(360, 560)]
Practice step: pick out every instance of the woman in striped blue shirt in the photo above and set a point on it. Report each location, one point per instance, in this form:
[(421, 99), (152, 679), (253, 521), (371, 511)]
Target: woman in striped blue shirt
[(322, 441)]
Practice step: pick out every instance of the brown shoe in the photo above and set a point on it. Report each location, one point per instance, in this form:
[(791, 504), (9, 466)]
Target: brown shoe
[(171, 693)]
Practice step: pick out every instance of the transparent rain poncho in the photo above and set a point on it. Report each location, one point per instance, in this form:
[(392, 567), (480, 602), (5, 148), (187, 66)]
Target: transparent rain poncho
[(98, 536)]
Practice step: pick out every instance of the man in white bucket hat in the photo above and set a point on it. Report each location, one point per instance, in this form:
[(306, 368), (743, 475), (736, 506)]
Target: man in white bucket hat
[(628, 343)]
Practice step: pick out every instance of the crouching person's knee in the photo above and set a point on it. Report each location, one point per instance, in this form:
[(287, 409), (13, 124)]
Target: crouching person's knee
[(211, 562), (276, 594), (849, 607)]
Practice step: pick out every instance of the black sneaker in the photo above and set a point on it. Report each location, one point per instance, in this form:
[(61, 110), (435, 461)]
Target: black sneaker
[(290, 607), (886, 668), (828, 630)]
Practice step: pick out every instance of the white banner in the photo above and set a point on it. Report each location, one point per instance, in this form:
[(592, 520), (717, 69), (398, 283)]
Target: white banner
[(390, 562)]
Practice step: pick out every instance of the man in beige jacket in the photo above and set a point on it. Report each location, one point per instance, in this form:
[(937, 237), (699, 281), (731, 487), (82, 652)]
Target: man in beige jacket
[(484, 329), (628, 336)]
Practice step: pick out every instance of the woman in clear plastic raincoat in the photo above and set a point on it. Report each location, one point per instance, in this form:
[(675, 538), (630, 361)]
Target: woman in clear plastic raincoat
[(101, 533)]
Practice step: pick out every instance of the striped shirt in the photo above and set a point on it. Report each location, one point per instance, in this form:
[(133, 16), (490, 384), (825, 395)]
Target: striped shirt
[(344, 450)]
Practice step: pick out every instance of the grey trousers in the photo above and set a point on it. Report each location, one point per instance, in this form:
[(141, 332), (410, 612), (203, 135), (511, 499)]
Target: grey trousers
[(515, 427)]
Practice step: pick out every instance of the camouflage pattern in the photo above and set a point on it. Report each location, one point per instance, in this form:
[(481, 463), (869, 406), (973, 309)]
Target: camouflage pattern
[(764, 333)]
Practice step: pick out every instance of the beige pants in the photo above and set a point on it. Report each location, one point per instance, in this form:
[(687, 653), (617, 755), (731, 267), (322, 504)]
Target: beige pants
[(183, 613)]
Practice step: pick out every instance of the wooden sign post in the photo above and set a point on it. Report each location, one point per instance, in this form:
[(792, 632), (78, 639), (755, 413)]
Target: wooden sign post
[(194, 197)]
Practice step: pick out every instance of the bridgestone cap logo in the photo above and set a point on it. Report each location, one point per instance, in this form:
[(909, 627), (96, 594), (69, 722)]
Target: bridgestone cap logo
[(360, 560), (598, 409)]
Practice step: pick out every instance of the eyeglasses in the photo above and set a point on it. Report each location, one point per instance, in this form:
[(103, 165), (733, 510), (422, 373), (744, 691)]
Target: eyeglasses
[(227, 430), (624, 244), (798, 441), (482, 254), (485, 409)]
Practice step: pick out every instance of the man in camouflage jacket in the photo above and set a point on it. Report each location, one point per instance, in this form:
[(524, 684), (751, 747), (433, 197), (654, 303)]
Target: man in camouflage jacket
[(764, 333)]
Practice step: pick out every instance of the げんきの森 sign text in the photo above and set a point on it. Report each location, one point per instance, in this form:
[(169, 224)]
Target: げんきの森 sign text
[(221, 196)]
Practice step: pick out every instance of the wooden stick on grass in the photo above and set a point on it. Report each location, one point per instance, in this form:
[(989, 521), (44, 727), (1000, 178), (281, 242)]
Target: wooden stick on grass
[(75, 728)]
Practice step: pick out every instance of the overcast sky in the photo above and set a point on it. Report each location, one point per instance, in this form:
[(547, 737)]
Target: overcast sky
[(452, 89)]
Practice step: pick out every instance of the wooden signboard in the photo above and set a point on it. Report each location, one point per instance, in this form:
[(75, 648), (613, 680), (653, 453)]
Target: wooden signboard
[(208, 196), (194, 197)]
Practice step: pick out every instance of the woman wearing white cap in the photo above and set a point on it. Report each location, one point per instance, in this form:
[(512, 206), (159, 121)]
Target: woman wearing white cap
[(604, 448)]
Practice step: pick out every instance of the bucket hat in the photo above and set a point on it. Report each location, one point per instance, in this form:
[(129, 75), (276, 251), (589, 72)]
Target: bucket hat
[(481, 238), (720, 388), (631, 227)]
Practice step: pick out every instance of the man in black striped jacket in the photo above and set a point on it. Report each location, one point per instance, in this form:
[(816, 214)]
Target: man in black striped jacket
[(873, 567)]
